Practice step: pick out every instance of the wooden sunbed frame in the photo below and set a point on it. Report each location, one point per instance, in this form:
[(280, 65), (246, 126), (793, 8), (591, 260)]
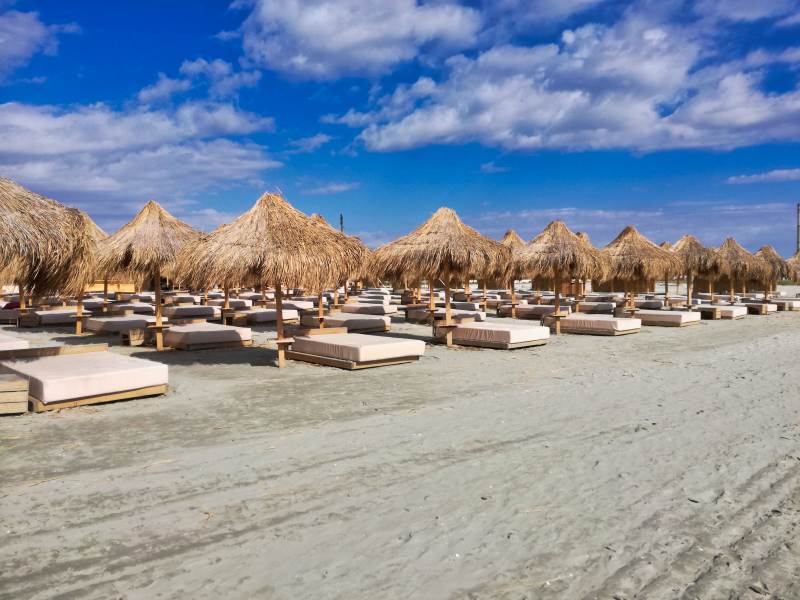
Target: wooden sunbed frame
[(757, 308), (588, 331), (38, 406), (350, 365), (31, 319), (711, 313), (214, 345), (498, 345)]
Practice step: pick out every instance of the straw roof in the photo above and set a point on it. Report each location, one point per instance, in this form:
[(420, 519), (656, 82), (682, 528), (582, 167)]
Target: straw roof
[(151, 241), (275, 243), (633, 257), (582, 235), (444, 248), (557, 252), (43, 244), (365, 262), (512, 240), (776, 267), (693, 256), (516, 268), (665, 245), (737, 263), (794, 267)]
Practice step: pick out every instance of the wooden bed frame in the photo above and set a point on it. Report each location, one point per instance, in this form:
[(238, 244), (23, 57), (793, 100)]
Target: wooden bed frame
[(757, 308), (214, 345), (350, 365), (38, 406), (499, 345), (581, 331), (711, 313)]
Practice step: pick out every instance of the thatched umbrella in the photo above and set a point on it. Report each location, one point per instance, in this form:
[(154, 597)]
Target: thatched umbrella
[(516, 269), (45, 247), (442, 249), (738, 264), (147, 246), (775, 268), (794, 267), (276, 243), (634, 259), (557, 253), (693, 258)]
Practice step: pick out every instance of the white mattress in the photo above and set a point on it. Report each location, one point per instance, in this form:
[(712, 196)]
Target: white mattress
[(369, 309), (120, 323), (187, 312), (358, 347), (604, 323), (73, 376), (354, 322), (12, 342), (297, 304), (678, 317), (596, 307), (423, 313), (57, 316), (270, 315), (235, 303), (727, 311), (206, 333), (504, 333), (140, 308)]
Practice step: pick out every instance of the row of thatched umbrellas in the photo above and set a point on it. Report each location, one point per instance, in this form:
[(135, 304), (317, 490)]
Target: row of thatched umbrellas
[(48, 247)]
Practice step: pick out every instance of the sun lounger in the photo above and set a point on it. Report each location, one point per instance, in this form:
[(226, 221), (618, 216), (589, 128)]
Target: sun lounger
[(270, 315), (11, 342), (206, 336), (760, 308), (41, 318), (423, 315), (191, 312), (298, 305), (731, 311), (597, 308), (234, 303), (355, 350), (649, 304), (139, 308), (668, 318), (355, 323), (582, 323), (119, 324), (786, 304), (369, 309), (69, 376), (502, 336), (531, 311), (9, 315)]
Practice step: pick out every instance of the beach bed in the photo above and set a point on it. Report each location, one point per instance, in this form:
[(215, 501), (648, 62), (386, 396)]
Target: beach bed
[(530, 311), (760, 308), (207, 336), (731, 311), (55, 316), (140, 308), (234, 303), (585, 324), (668, 318), (369, 309), (355, 323), (119, 324), (69, 376), (423, 315), (191, 311), (354, 350), (596, 308), (270, 315), (786, 304), (500, 336), (11, 342)]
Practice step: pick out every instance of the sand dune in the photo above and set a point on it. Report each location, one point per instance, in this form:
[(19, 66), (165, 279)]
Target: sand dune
[(660, 465)]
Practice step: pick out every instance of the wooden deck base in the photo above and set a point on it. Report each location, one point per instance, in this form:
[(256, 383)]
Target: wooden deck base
[(499, 345), (347, 364), (214, 345)]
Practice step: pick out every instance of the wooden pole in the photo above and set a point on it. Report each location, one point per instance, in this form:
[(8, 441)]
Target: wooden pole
[(320, 311), (279, 324), (557, 306), (448, 314), (227, 304), (105, 294), (732, 288), (513, 301), (666, 287), (159, 331), (689, 281), (22, 307), (79, 314)]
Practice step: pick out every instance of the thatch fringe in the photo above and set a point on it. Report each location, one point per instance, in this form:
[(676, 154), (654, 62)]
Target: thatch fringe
[(737, 263), (558, 253), (776, 268), (632, 257), (693, 256)]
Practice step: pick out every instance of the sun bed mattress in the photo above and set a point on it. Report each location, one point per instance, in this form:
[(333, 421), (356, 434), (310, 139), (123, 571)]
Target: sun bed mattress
[(188, 312), (137, 307), (355, 322), (118, 324), (677, 318), (58, 316), (235, 303), (206, 333), (270, 315), (727, 311), (12, 342), (369, 309), (500, 333), (607, 324), (357, 347), (72, 376)]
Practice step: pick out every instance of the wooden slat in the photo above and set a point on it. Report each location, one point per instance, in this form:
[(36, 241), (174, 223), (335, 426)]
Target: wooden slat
[(347, 364), (153, 390), (10, 382)]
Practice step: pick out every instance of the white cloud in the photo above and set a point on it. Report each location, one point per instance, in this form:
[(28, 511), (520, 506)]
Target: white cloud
[(163, 89), (634, 84), (325, 39), (768, 177), (309, 144), (22, 35), (790, 21), (97, 154), (223, 80), (333, 188), (490, 167), (744, 10)]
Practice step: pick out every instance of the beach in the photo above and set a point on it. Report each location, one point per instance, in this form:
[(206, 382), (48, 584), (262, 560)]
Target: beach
[(659, 465)]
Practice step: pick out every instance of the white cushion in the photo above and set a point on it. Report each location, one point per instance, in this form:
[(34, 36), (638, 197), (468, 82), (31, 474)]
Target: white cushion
[(358, 347), (205, 333), (235, 303), (731, 311), (601, 323), (369, 309), (674, 317), (187, 312), (353, 322), (140, 308), (503, 333), (57, 316), (118, 324), (270, 315), (12, 342), (73, 376)]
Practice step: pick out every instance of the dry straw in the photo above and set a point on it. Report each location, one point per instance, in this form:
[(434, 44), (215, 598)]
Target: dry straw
[(634, 258), (557, 253), (737, 263), (776, 268)]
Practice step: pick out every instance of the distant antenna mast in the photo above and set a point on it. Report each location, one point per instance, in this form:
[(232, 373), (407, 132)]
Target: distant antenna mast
[(341, 223)]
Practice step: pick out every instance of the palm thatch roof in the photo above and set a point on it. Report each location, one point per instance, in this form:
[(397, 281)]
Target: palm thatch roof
[(44, 245), (365, 270), (794, 267), (557, 252), (275, 243), (516, 267), (775, 267), (737, 263), (693, 256), (582, 235), (512, 240), (632, 257), (443, 248), (147, 244), (665, 245)]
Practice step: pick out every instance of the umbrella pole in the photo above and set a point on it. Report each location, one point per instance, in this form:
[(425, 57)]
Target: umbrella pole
[(79, 314), (689, 290), (105, 294), (279, 325), (666, 288), (320, 311), (22, 307), (513, 301), (159, 331), (448, 314), (557, 305), (732, 289)]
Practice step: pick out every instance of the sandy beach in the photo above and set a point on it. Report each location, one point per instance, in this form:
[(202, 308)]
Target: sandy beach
[(660, 465)]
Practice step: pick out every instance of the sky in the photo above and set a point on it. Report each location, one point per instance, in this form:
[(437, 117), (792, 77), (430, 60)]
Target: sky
[(674, 116)]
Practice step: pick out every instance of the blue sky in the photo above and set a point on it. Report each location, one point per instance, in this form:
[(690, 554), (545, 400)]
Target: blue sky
[(677, 117)]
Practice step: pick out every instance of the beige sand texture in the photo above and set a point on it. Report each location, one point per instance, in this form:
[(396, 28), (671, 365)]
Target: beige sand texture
[(663, 465)]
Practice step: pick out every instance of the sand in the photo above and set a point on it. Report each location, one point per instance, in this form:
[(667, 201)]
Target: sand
[(660, 465)]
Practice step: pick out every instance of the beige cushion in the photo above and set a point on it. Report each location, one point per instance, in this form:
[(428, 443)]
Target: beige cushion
[(57, 316), (731, 311), (596, 307), (503, 333), (792, 304), (186, 312), (140, 308), (532, 310), (353, 322), (652, 304), (118, 324), (601, 323), (358, 347), (73, 376), (12, 342), (676, 317), (297, 304), (419, 314), (205, 333), (369, 309), (235, 303), (269, 315)]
